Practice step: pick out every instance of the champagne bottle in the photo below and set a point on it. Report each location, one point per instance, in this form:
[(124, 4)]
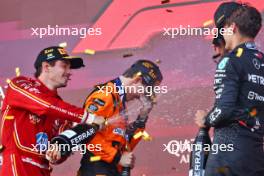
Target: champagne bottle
[(200, 152), (79, 134), (126, 170)]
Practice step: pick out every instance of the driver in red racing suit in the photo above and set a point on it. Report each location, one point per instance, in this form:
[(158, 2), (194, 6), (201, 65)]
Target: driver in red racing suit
[(33, 113)]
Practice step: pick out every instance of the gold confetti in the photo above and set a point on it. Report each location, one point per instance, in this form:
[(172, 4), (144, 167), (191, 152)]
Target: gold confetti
[(106, 122), (8, 81), (128, 55), (127, 148), (165, 1), (253, 112), (17, 70), (158, 61), (168, 10), (139, 74), (208, 22), (1, 148), (223, 170), (138, 135), (89, 51), (63, 44), (95, 158), (146, 136)]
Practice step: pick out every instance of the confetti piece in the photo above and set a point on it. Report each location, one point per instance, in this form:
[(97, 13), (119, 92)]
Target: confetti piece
[(168, 10), (223, 170), (1, 148), (146, 136), (95, 158), (158, 61), (89, 51), (63, 44), (106, 122), (127, 147), (128, 55), (253, 113), (138, 135), (165, 1), (8, 81), (207, 23), (17, 70), (139, 74)]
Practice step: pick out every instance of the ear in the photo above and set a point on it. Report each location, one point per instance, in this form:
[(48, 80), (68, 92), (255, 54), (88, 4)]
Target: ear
[(45, 67), (234, 27)]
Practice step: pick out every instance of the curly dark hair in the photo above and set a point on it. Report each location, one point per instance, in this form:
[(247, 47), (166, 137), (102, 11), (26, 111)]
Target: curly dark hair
[(248, 20)]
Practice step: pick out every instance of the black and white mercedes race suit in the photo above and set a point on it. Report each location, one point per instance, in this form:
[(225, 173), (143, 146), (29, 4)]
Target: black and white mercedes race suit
[(238, 114)]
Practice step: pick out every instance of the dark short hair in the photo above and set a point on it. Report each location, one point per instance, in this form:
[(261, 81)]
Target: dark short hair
[(248, 19), (39, 68)]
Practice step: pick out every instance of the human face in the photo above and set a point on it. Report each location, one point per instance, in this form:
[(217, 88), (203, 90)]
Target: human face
[(134, 88), (229, 35), (59, 74), (219, 52)]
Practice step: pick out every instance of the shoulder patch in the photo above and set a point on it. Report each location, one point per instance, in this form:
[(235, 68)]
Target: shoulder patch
[(119, 131), (239, 52), (251, 45), (99, 101), (223, 63), (93, 107)]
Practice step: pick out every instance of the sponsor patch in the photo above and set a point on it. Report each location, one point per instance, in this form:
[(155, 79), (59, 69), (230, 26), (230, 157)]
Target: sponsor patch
[(256, 63), (223, 63), (99, 102), (34, 119), (119, 131), (69, 133), (239, 52), (251, 45), (93, 107), (42, 141)]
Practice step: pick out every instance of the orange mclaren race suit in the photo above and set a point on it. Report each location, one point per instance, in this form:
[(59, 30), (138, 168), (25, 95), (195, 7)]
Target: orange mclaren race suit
[(109, 101), (31, 115)]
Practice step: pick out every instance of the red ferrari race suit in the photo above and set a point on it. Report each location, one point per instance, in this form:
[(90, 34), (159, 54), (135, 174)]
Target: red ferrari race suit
[(31, 115)]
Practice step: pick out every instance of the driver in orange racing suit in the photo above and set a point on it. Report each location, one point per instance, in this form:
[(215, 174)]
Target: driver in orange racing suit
[(109, 100)]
